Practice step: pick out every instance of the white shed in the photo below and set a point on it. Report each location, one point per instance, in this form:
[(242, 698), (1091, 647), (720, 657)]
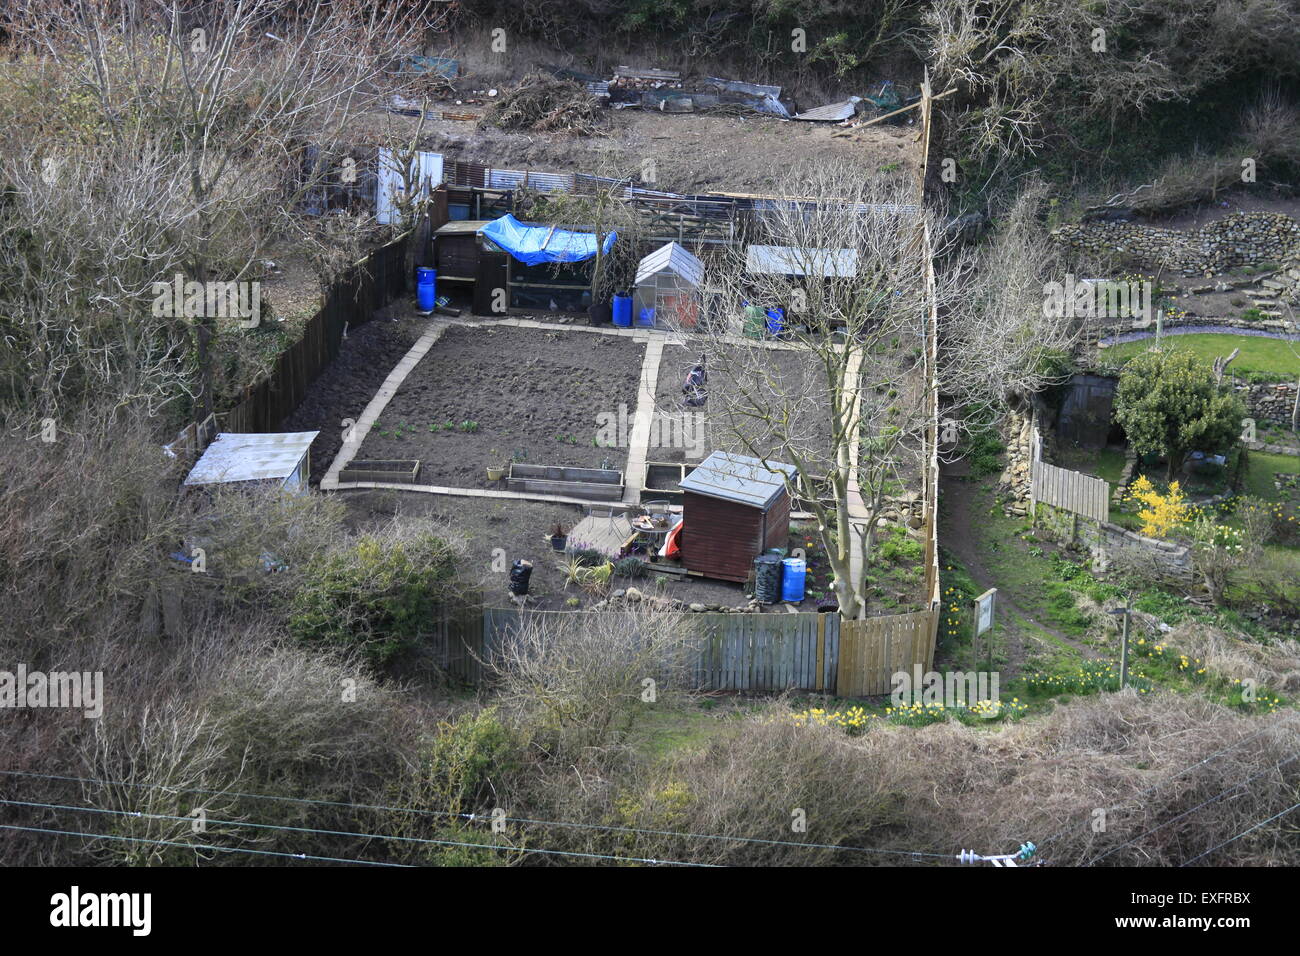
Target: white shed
[(282, 459), (796, 261), (668, 281)]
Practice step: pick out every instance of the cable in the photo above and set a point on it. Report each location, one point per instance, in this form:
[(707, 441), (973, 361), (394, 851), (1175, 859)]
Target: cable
[(374, 836), (196, 846), (1167, 780), (1217, 797), (1242, 834), (473, 817)]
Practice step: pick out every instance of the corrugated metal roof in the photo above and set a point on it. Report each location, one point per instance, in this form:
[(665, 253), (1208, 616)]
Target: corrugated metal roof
[(671, 258), (738, 478), (740, 86), (250, 457), (793, 261), (542, 182), (832, 112)]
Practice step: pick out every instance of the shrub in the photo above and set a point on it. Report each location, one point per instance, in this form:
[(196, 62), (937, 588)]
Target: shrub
[(629, 568), (900, 548), (375, 595), (588, 557)]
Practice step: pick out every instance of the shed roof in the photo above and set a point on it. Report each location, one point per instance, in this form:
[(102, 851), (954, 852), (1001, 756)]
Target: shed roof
[(799, 261), (461, 227), (671, 258), (738, 478), (249, 457)]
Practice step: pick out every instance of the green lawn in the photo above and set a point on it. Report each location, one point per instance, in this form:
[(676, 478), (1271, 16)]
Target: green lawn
[(1260, 469), (1272, 357)]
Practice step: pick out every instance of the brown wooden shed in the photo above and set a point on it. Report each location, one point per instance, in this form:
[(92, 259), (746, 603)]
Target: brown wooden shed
[(733, 509)]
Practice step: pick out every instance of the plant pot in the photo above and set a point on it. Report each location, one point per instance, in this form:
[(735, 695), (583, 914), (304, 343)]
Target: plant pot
[(495, 473), (600, 314), (558, 542)]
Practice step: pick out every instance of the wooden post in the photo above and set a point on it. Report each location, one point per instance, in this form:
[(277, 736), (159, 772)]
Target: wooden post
[(1123, 653)]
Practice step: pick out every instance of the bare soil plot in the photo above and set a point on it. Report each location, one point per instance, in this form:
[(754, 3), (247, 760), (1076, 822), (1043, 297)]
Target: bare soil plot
[(695, 153), (348, 384), (484, 394), (792, 373)]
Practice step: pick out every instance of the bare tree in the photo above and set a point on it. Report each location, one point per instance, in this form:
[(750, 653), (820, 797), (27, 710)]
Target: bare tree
[(221, 93), (998, 347), (577, 675), (841, 395), (1023, 67)]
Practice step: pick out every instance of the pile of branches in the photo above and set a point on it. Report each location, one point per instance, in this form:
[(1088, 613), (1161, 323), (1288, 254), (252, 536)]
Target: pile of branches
[(545, 104)]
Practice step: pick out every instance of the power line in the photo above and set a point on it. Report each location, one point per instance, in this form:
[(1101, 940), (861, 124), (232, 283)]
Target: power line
[(472, 817), (1242, 834), (1213, 799), (196, 846), (374, 836), (1167, 780)]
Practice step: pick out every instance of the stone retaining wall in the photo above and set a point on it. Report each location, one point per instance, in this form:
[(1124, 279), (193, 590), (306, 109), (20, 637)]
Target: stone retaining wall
[(1110, 543), (1241, 239), (1014, 480)]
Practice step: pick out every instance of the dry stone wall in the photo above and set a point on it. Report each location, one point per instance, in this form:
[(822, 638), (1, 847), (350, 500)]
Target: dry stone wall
[(1241, 239)]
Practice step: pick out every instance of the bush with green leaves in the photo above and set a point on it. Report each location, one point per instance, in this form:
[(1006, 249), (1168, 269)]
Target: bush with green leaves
[(629, 567), (900, 548), (1170, 404), (377, 594)]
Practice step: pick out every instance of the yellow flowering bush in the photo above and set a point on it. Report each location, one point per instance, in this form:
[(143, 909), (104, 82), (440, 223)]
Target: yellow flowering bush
[(1160, 514)]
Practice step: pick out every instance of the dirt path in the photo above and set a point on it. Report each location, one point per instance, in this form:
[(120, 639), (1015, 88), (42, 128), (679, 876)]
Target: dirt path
[(958, 532)]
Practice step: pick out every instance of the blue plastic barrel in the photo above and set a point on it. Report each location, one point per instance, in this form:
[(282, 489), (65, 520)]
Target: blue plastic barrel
[(792, 579), (776, 320), (646, 317), (426, 289), (623, 311)]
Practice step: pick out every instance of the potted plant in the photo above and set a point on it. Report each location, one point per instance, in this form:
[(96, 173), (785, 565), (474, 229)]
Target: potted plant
[(495, 472), (559, 538)]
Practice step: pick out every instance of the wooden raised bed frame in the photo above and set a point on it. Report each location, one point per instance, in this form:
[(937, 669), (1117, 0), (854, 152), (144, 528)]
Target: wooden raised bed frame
[(592, 484), (404, 471)]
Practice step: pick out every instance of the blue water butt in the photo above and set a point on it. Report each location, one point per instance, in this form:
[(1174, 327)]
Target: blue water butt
[(426, 289), (623, 311), (776, 320), (793, 573)]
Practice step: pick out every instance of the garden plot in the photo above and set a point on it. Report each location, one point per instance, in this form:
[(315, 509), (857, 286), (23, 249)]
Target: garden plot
[(486, 396), (691, 434)]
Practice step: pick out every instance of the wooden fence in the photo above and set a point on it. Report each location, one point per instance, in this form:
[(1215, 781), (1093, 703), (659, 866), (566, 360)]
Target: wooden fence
[(872, 651), (368, 286), (750, 653), (1071, 490)]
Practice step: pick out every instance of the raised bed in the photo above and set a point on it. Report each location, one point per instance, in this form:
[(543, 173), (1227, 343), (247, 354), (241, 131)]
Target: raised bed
[(592, 484), (398, 471), (662, 478)]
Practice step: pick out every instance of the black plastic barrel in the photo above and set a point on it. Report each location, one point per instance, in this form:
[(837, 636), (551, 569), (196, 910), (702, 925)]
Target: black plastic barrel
[(767, 578), (520, 572)]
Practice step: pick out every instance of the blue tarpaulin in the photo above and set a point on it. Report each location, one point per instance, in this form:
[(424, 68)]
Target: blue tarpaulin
[(534, 245)]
